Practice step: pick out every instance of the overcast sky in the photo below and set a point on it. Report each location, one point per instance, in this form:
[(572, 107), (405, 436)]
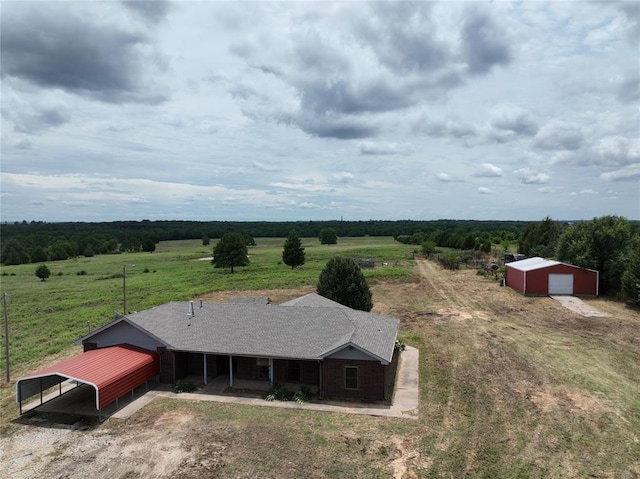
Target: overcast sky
[(319, 110)]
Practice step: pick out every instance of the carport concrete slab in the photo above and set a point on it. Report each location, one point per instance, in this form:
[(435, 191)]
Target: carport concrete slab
[(80, 400)]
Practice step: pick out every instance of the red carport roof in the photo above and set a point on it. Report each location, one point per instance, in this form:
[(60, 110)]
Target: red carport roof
[(112, 371)]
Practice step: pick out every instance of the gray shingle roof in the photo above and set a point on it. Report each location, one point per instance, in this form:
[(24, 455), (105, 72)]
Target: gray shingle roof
[(285, 331)]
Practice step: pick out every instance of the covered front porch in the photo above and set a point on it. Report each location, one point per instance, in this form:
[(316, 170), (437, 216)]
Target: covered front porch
[(216, 373)]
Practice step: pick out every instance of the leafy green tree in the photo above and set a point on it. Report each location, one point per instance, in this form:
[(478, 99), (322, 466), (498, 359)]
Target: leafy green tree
[(540, 239), (601, 244), (342, 281), (43, 272), (428, 248), (132, 244), (38, 255), (148, 245), (631, 276), (248, 239), (230, 251), (328, 236), (293, 253), (14, 253), (205, 240)]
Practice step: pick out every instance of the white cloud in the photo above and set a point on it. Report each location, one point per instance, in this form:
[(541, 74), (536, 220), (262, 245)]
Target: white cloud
[(489, 170), (531, 177), (484, 191)]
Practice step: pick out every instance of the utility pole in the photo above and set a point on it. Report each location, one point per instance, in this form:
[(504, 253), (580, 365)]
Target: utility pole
[(6, 334), (124, 290)]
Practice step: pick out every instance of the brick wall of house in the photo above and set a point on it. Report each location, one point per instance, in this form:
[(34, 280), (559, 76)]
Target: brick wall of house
[(371, 377)]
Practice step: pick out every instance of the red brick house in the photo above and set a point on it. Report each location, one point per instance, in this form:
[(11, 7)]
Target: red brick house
[(334, 350)]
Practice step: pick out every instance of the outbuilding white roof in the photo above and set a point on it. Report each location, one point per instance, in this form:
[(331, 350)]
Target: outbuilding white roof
[(530, 264)]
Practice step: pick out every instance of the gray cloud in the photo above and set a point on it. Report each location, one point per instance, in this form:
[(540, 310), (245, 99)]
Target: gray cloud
[(402, 37), (151, 11), (558, 135), (30, 120), (56, 47), (629, 89), (515, 120), (384, 58), (626, 173), (454, 128), (483, 43)]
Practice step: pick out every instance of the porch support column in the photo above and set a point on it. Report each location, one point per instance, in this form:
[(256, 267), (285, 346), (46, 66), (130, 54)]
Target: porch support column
[(205, 368), (230, 371), (271, 370)]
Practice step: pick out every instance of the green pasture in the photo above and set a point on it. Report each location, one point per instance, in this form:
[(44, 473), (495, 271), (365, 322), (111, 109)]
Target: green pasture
[(45, 317)]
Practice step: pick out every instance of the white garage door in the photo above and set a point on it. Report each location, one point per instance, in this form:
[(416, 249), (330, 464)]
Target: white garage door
[(560, 284)]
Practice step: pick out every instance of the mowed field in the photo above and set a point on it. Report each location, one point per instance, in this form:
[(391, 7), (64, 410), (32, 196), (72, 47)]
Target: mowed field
[(510, 387)]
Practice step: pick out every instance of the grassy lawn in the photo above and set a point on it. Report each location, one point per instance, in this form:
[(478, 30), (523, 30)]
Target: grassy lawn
[(510, 387), (47, 316)]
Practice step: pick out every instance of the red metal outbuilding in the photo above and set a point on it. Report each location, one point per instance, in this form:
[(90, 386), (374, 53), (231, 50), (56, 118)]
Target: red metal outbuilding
[(111, 371), (541, 277)]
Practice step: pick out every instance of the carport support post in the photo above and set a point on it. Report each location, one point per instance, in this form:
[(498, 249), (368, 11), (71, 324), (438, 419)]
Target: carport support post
[(230, 371), (205, 368)]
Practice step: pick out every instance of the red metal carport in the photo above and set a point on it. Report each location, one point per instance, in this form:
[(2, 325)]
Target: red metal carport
[(112, 372)]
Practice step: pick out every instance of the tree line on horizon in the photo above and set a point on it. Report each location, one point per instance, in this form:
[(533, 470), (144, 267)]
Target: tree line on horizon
[(38, 241), (609, 244)]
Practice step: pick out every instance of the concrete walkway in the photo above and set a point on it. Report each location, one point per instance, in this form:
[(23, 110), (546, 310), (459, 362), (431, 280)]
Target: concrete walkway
[(404, 402), (578, 306)]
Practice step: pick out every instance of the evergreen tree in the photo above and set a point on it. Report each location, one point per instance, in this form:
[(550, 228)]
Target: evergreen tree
[(230, 251), (342, 281), (293, 252)]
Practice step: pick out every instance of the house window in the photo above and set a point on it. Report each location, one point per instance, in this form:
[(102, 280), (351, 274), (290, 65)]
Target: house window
[(351, 377), (293, 371), (263, 368)]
